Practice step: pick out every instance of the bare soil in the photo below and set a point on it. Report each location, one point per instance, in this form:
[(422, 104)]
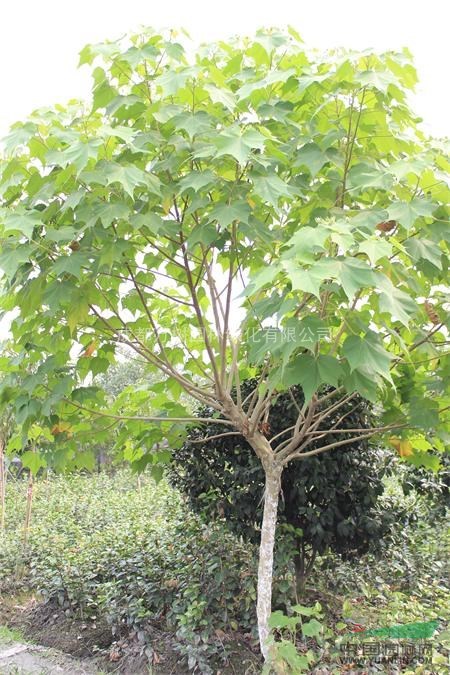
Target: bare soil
[(56, 643)]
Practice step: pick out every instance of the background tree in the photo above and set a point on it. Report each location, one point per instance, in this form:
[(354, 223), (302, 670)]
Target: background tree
[(329, 501), (129, 371), (219, 215), (432, 486)]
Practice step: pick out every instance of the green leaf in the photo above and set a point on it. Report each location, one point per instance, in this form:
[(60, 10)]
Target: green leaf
[(364, 384), (288, 652), (129, 177), (33, 461), (305, 332), (103, 92), (279, 620), (196, 180), (20, 222), (428, 461), (70, 264), (107, 213), (375, 249), (26, 408), (56, 294), (193, 123), (310, 280), (31, 295), (78, 310), (73, 200), (238, 143), (395, 302), (406, 213), (367, 354), (59, 391), (19, 135), (424, 249), (311, 372), (172, 80), (424, 413), (271, 189), (306, 81), (229, 213), (305, 611), (223, 96), (205, 233), (307, 242), (329, 369), (312, 628), (113, 251), (342, 235), (367, 219), (79, 153), (11, 260), (149, 221), (85, 460), (378, 79), (402, 168), (62, 234), (364, 176), (304, 371), (311, 156), (271, 78), (263, 277), (124, 133), (354, 275)]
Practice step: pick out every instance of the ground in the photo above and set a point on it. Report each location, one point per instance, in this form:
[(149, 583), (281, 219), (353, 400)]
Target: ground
[(25, 658)]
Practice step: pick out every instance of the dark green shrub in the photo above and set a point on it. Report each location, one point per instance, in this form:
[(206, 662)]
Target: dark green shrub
[(328, 501)]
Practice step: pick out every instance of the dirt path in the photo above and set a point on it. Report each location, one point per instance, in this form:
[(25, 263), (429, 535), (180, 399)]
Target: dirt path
[(26, 659)]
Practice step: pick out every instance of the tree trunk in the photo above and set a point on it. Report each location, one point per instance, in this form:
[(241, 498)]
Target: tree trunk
[(26, 525), (303, 565), (265, 567), (299, 565)]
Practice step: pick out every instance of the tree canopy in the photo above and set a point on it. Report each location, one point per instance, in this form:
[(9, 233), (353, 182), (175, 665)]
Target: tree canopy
[(303, 175)]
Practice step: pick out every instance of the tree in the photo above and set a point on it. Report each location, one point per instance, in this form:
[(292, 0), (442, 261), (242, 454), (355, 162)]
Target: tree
[(433, 487), (253, 208), (128, 372), (329, 501)]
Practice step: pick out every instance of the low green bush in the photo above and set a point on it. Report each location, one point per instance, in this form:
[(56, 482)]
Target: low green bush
[(100, 546)]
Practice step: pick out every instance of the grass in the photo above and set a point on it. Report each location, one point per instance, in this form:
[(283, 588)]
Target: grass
[(11, 634)]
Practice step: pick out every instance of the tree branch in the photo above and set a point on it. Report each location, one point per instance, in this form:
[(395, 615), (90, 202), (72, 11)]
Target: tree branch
[(149, 418), (310, 453), (213, 438)]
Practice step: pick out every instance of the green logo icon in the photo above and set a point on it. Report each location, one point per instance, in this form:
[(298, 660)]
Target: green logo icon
[(411, 631)]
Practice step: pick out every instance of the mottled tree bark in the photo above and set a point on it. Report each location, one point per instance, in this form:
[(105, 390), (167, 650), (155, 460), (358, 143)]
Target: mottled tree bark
[(265, 567)]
